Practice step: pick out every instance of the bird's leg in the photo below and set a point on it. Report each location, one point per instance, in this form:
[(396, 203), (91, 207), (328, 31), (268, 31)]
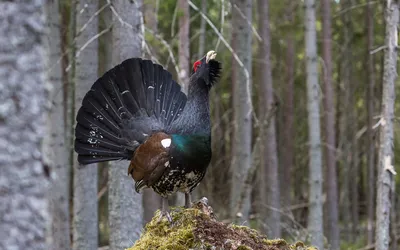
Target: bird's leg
[(188, 201), (165, 210)]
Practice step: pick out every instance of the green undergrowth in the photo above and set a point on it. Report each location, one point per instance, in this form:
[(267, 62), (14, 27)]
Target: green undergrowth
[(197, 229)]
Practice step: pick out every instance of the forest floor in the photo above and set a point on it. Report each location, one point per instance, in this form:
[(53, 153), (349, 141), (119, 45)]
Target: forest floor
[(197, 228)]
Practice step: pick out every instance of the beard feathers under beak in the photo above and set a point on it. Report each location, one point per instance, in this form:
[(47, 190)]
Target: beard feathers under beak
[(210, 55)]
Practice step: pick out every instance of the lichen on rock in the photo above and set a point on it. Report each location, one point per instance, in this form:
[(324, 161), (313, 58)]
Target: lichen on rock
[(196, 228)]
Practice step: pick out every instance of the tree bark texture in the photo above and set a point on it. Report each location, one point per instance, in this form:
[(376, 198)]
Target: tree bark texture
[(85, 215), (125, 205), (370, 133), (288, 115), (184, 44), (151, 200), (24, 213), (315, 219), (346, 121), (202, 36), (386, 170), (329, 118), (268, 145), (241, 148), (57, 150)]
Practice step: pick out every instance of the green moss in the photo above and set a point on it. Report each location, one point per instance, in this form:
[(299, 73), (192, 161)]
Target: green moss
[(196, 228), (301, 246), (242, 247), (275, 242), (163, 235)]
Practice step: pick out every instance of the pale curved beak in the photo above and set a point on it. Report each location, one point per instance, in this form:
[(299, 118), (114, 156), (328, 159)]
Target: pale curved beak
[(210, 55)]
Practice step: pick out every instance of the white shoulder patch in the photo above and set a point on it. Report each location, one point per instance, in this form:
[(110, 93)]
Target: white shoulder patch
[(166, 142)]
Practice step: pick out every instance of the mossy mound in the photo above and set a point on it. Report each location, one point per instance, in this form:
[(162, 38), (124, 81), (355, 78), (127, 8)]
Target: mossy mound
[(196, 228)]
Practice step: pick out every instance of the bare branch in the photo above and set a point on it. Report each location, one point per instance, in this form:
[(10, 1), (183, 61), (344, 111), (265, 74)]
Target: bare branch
[(377, 49), (91, 40), (92, 17)]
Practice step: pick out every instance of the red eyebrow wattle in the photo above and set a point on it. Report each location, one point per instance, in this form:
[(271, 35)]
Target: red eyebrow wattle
[(195, 65)]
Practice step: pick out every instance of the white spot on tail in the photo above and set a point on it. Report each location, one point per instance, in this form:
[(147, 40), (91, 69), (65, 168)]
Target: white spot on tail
[(166, 164), (166, 143), (124, 92)]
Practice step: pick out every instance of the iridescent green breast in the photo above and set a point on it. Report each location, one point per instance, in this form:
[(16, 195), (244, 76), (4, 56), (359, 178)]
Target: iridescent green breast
[(192, 150)]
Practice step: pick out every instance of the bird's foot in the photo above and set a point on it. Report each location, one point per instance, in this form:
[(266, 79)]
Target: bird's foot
[(188, 200), (165, 214)]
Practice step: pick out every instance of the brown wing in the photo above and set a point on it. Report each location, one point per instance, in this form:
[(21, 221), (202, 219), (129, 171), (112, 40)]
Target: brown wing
[(149, 161)]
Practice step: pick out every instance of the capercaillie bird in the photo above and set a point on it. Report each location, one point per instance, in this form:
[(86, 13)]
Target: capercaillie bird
[(137, 112)]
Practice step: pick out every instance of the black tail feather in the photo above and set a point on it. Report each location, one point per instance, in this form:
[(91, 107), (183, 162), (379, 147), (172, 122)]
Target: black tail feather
[(124, 107)]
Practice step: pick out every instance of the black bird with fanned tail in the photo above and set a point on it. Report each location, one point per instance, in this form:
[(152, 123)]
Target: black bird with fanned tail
[(137, 112)]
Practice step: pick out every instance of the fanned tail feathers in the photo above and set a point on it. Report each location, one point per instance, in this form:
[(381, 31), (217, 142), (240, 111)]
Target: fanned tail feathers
[(123, 107)]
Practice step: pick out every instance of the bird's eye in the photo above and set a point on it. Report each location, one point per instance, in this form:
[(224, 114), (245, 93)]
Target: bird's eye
[(196, 65)]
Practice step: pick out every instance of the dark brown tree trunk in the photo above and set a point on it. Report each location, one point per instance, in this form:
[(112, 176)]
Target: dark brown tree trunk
[(288, 116), (370, 133), (346, 120), (329, 117), (268, 145), (202, 37)]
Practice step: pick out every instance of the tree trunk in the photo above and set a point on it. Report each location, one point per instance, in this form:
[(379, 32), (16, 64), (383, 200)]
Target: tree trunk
[(241, 148), (288, 116), (24, 214), (315, 172), (184, 42), (202, 37), (331, 183), (85, 217), (385, 164), (151, 200), (268, 146), (393, 220), (59, 194), (125, 205), (346, 122), (370, 133)]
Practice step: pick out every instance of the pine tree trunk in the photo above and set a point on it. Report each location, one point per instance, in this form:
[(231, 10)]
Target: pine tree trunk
[(59, 194), (393, 221), (85, 233), (241, 147), (202, 36), (184, 42), (344, 118), (287, 148), (385, 162), (371, 186), (24, 213), (125, 205), (315, 172), (151, 200), (268, 145), (329, 115)]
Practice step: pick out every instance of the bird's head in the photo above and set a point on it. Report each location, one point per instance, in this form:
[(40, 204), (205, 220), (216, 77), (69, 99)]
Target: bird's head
[(207, 69)]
